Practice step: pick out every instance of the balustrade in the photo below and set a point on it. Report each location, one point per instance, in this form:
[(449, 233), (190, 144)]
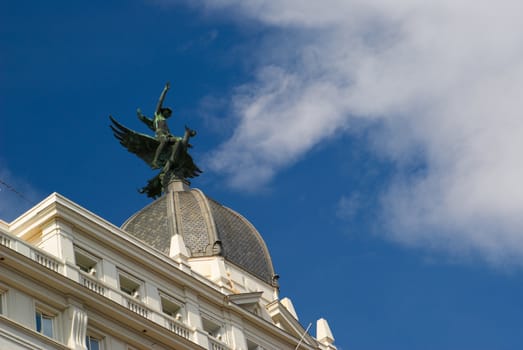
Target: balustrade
[(46, 261), (179, 329), (136, 307), (92, 284), (214, 344), (5, 240)]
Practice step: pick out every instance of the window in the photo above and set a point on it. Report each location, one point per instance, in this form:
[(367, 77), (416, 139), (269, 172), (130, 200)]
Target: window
[(253, 346), (44, 323), (85, 261), (213, 328), (171, 306), (93, 343), (2, 298), (129, 284)]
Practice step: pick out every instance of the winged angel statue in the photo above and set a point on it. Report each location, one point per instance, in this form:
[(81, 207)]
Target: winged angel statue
[(163, 151)]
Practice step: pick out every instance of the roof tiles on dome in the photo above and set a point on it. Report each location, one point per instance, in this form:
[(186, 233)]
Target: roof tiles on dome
[(242, 244), (196, 231), (207, 227), (150, 225)]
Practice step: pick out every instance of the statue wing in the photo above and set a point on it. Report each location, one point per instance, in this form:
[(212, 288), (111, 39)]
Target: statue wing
[(153, 189), (185, 166), (144, 146)]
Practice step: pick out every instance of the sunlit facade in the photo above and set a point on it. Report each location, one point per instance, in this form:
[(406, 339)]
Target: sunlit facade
[(183, 273)]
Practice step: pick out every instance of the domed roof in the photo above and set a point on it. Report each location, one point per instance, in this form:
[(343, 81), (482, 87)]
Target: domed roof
[(207, 227)]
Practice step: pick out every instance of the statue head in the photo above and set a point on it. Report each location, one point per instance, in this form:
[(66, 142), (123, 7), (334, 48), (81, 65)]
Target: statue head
[(166, 112)]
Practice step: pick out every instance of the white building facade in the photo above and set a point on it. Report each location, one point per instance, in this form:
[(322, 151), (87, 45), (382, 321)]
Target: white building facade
[(183, 273)]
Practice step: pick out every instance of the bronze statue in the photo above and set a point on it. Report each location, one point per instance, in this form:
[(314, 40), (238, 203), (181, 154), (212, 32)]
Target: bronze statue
[(159, 126), (164, 151)]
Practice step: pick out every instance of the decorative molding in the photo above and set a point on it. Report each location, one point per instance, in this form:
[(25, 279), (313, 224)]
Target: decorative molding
[(76, 319)]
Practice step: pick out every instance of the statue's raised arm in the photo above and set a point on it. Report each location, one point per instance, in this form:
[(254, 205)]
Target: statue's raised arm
[(162, 97), (163, 134)]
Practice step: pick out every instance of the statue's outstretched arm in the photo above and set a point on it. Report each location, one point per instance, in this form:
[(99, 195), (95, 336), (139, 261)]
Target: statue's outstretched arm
[(147, 121), (162, 97)]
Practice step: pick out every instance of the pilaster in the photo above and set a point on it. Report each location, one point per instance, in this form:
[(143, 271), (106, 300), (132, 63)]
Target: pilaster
[(110, 275), (194, 319), (237, 339), (75, 326), (178, 250), (57, 240)]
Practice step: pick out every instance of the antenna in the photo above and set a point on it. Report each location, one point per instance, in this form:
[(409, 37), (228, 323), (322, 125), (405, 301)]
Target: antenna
[(303, 336), (12, 189)]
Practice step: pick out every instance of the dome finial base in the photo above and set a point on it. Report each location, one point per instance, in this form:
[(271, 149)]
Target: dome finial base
[(176, 184)]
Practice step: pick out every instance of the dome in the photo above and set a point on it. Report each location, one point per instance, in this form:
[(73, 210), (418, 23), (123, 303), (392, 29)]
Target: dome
[(207, 227)]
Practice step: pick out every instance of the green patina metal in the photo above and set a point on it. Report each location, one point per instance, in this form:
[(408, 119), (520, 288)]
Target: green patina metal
[(163, 151)]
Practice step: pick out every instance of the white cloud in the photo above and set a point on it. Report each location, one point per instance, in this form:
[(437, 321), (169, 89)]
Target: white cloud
[(446, 78), (282, 116)]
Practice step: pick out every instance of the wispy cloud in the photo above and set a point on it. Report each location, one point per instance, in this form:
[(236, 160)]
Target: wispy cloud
[(445, 77), (348, 206)]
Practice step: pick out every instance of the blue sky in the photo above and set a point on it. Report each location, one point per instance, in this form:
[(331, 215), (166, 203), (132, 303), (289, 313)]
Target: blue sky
[(374, 144)]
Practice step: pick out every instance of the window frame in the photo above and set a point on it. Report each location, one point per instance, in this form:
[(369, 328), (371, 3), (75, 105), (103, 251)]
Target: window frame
[(94, 336), (53, 314), (217, 329), (92, 268), (252, 345), (139, 284), (3, 304), (44, 314), (96, 333), (179, 313)]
